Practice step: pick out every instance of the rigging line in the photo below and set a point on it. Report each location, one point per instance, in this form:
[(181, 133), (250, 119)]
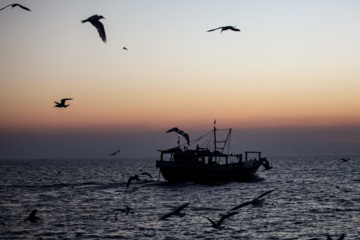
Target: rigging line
[(251, 147), (199, 138), (206, 143)]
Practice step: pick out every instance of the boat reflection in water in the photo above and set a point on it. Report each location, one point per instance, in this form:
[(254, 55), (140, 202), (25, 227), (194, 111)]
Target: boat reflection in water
[(205, 164)]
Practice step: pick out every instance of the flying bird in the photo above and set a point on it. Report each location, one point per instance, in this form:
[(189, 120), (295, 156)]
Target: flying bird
[(340, 238), (218, 224), (32, 217), (225, 28), (177, 212), (266, 164), (16, 5), (62, 103), (125, 48), (94, 20), (256, 202), (147, 174), (114, 153), (135, 177), (181, 132)]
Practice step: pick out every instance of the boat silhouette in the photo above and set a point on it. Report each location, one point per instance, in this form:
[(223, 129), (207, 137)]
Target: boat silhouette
[(203, 164)]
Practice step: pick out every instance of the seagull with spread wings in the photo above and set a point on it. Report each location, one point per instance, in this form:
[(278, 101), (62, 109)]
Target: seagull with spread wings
[(95, 21), (232, 28), (62, 103), (218, 224), (256, 202), (180, 132), (147, 174), (135, 177), (177, 212), (16, 5), (114, 153)]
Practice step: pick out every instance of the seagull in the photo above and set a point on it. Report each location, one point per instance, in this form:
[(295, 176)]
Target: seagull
[(177, 212), (94, 20), (218, 224), (225, 28), (125, 48), (62, 103), (181, 132), (256, 202), (345, 159), (340, 238), (16, 5), (147, 174), (266, 164), (32, 217), (114, 153), (136, 177)]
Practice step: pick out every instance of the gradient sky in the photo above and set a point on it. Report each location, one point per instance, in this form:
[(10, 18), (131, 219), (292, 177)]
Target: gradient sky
[(288, 83)]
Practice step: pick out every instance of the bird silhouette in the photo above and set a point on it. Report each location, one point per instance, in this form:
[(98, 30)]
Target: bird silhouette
[(62, 103), (147, 174), (135, 177), (225, 28), (94, 20), (125, 48), (181, 132), (266, 164), (218, 224), (340, 238), (16, 5), (114, 153), (256, 202), (177, 212), (32, 217)]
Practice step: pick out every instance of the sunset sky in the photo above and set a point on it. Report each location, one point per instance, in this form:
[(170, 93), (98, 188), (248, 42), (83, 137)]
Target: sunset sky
[(287, 83)]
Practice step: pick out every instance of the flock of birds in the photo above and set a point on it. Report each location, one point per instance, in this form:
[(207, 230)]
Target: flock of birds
[(95, 21), (256, 202)]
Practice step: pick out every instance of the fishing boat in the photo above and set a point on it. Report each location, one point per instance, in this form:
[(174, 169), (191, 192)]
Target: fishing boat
[(210, 161)]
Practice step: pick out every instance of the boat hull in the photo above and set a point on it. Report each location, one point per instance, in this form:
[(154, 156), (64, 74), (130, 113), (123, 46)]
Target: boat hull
[(180, 172)]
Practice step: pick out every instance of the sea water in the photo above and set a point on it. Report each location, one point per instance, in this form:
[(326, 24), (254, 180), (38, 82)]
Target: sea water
[(315, 196)]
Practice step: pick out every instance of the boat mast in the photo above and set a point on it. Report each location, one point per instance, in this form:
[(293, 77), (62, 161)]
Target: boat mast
[(215, 138), (224, 142)]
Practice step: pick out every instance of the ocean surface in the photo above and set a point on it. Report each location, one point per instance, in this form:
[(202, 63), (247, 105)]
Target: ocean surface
[(316, 196)]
